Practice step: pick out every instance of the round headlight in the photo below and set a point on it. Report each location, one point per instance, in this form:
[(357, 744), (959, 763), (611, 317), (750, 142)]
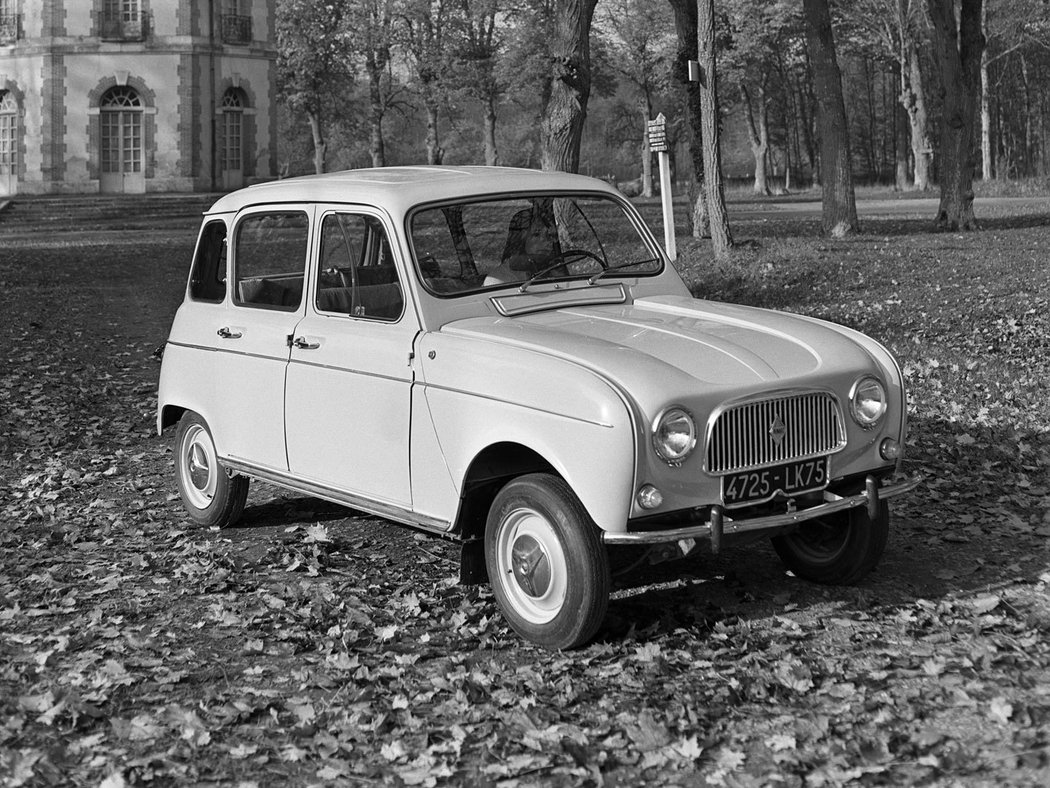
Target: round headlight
[(674, 435), (867, 402)]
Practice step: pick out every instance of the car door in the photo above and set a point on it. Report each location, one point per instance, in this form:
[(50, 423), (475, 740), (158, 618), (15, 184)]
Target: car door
[(347, 409), (269, 252)]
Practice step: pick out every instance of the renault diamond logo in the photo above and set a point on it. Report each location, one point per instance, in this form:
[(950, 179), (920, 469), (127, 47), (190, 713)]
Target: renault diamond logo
[(777, 430)]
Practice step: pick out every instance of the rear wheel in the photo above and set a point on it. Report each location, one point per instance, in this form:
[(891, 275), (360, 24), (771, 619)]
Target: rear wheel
[(548, 567), (836, 550), (210, 495)]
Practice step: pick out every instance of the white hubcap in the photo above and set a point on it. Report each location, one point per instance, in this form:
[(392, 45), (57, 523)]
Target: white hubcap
[(532, 565), (200, 468)]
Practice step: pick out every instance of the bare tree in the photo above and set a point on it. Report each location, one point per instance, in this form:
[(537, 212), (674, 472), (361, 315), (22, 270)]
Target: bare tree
[(372, 22), (757, 113), (836, 179), (958, 45), (568, 84), (641, 52), (721, 237), (426, 24), (477, 62), (313, 71)]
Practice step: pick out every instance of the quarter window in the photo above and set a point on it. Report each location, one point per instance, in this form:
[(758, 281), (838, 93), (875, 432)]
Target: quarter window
[(270, 260), (357, 275), (208, 278)]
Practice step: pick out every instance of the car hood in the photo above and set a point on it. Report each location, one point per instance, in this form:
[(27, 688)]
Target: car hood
[(664, 339)]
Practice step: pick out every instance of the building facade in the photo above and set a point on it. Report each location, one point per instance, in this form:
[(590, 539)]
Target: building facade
[(136, 95)]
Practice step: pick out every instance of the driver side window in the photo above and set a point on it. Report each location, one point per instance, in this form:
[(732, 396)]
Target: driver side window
[(356, 275)]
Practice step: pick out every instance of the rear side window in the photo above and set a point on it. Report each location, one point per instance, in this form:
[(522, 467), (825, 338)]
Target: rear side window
[(270, 260), (208, 277)]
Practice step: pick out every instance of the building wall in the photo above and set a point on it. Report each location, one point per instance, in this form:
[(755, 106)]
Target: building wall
[(64, 57)]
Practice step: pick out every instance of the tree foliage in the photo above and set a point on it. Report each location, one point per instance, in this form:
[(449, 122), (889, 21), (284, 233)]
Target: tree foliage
[(314, 73)]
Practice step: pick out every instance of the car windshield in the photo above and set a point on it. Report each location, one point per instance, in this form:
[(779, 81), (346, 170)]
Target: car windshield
[(521, 241)]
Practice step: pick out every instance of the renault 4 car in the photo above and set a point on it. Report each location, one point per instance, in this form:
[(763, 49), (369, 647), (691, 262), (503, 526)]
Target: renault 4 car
[(508, 359)]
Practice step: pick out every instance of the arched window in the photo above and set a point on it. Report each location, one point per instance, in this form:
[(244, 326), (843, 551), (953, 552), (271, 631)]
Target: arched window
[(8, 131), (121, 111), (8, 142), (233, 137)]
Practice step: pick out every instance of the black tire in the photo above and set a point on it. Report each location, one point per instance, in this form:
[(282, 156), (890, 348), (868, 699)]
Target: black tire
[(546, 562), (210, 495), (837, 550)]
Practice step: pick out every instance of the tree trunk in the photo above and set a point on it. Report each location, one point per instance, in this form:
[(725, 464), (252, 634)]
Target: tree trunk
[(901, 148), (647, 154), (376, 110), (685, 26), (836, 177), (320, 146), (489, 133), (721, 237), (958, 48), (758, 136), (987, 156), (435, 153), (913, 99), (1029, 142), (570, 85)]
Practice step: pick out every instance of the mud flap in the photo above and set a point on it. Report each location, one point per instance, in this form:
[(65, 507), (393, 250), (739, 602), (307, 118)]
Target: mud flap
[(472, 569)]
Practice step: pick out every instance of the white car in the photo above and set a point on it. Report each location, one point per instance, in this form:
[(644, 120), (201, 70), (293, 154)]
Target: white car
[(506, 358)]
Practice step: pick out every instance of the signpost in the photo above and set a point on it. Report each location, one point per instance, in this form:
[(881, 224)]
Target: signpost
[(658, 144)]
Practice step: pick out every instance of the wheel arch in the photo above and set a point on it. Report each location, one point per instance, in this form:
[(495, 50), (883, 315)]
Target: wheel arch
[(169, 416)]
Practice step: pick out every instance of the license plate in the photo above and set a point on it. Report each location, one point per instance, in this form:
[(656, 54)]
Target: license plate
[(749, 487)]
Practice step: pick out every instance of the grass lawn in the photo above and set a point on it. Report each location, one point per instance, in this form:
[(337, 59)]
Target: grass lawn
[(312, 645)]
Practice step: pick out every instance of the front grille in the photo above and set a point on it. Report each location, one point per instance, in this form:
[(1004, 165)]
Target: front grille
[(744, 436)]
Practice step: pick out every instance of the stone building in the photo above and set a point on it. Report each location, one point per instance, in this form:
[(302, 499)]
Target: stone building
[(136, 95)]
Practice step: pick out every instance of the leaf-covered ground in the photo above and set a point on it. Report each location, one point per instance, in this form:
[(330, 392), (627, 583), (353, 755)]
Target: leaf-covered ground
[(313, 646)]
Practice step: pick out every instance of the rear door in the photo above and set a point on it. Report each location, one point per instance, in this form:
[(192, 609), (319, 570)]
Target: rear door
[(348, 401), (269, 251)]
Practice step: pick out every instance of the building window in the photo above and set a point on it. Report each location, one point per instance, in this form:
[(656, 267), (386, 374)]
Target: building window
[(121, 111), (10, 23), (232, 130), (236, 22), (8, 133), (122, 20)]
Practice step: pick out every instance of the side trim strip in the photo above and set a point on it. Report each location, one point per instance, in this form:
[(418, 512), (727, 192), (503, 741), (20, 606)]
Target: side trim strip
[(388, 511), (834, 503)]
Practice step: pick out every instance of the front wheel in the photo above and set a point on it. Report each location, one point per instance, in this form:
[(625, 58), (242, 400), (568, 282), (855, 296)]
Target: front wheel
[(836, 550), (210, 496), (548, 567)]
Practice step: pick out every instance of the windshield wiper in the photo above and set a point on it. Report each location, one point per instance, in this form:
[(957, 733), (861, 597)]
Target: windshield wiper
[(563, 259), (612, 268)]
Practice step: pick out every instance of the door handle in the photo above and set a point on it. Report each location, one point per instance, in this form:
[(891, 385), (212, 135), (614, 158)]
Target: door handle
[(303, 344), (225, 333)]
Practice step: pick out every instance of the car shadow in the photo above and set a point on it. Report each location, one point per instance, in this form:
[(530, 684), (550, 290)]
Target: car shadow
[(287, 511)]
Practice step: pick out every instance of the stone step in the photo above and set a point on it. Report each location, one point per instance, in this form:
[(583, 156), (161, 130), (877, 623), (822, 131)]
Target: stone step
[(81, 210)]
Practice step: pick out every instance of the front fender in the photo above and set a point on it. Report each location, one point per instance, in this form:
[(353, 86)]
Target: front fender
[(480, 393)]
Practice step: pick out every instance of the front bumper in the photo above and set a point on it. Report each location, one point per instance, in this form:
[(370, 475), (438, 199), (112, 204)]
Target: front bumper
[(719, 524)]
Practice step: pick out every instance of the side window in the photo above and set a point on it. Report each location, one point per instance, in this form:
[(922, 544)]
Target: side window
[(356, 275), (208, 276), (270, 260)]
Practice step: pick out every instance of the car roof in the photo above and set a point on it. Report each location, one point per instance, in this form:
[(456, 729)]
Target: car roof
[(400, 188)]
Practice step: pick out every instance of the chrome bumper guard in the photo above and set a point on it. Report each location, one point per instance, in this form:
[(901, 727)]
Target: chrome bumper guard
[(720, 524)]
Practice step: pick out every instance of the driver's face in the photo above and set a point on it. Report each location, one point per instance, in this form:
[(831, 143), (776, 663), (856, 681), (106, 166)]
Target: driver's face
[(540, 238)]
